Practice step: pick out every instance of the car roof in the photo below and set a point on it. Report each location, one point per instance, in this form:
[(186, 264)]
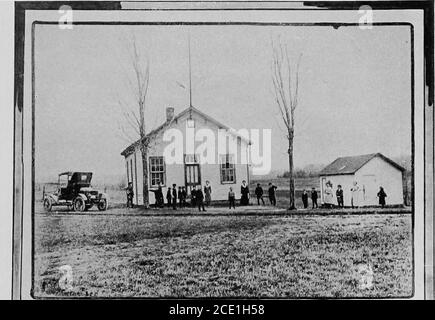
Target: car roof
[(70, 173)]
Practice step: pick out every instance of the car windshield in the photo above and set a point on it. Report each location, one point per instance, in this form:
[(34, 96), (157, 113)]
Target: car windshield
[(63, 180)]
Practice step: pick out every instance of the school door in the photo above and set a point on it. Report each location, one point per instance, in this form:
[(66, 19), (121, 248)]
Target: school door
[(369, 189), (192, 173), (323, 186)]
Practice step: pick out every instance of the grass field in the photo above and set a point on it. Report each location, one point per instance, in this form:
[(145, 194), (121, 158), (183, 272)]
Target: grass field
[(118, 255)]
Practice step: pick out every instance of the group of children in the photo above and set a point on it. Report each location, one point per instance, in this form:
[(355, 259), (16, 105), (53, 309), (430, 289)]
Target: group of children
[(172, 195), (178, 197), (201, 197), (329, 196), (355, 197), (270, 191), (245, 195), (314, 197)]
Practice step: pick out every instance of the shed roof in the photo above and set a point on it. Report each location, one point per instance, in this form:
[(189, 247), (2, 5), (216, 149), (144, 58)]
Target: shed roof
[(349, 165), (191, 109)]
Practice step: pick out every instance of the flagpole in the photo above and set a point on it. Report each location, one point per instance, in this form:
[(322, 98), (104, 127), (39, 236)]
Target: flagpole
[(190, 79)]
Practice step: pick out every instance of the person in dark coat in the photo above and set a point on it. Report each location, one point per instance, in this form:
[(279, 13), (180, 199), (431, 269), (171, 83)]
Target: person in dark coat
[(339, 195), (130, 195), (232, 198), (174, 196), (244, 191), (180, 197), (259, 194), (271, 191), (305, 198), (193, 197), (207, 193), (159, 196), (169, 196), (314, 197), (382, 195), (200, 198), (184, 193)]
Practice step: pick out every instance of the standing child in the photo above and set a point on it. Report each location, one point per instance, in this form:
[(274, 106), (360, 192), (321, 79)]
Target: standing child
[(184, 193), (193, 197), (355, 195), (259, 194), (180, 197), (382, 195), (340, 198), (207, 192), (314, 197), (159, 196), (329, 195), (232, 198), (130, 194), (174, 196), (271, 191), (169, 196), (244, 190), (305, 198), (200, 198)]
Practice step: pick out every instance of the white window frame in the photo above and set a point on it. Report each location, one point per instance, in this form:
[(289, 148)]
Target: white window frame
[(160, 171), (224, 160)]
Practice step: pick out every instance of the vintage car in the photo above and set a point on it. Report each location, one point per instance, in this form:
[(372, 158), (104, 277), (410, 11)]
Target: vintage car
[(74, 191)]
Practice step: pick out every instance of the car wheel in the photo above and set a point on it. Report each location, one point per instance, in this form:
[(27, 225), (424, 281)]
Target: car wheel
[(79, 205), (102, 205), (47, 205)]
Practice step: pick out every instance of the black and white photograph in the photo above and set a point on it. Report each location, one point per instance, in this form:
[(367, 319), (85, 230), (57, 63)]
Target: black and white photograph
[(223, 150)]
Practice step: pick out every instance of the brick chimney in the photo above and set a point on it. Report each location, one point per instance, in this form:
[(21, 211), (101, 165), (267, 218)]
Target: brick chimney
[(169, 114)]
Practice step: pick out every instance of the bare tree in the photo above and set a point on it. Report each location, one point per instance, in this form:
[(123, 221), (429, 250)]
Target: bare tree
[(134, 115), (286, 97)]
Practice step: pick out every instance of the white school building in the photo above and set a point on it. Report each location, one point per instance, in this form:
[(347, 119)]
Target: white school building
[(370, 171), (229, 169)]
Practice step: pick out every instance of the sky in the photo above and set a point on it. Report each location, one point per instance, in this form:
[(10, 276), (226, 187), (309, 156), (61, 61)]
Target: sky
[(354, 89)]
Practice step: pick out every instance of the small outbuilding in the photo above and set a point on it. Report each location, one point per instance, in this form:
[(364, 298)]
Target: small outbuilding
[(367, 173)]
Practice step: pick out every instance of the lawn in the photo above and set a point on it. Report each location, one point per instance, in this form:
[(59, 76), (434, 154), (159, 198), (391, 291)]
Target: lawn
[(223, 256)]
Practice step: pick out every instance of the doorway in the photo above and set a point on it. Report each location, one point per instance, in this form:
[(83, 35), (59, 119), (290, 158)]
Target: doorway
[(322, 192), (192, 172), (369, 186)]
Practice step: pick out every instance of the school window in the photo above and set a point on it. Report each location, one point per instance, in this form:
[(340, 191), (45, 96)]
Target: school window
[(228, 169), (157, 171)]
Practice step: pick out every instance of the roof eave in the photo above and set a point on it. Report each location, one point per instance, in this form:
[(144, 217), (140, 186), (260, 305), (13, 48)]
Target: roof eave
[(393, 163), (336, 174)]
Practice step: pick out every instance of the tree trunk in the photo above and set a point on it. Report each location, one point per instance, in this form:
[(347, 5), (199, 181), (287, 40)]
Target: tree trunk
[(290, 164), (144, 152)]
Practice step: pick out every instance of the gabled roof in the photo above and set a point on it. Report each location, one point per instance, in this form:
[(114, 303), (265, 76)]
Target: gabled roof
[(192, 109), (349, 165)]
